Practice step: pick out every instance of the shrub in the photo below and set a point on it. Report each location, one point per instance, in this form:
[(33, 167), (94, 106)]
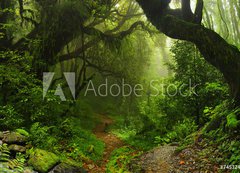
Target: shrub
[(180, 131)]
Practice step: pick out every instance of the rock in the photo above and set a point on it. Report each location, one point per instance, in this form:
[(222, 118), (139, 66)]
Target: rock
[(174, 144), (28, 170), (1, 135), (14, 138), (157, 160), (65, 168), (42, 161), (17, 148), (1, 142)]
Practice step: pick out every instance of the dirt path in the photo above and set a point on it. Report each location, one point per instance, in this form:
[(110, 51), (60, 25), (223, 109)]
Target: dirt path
[(111, 143), (157, 160), (163, 159)]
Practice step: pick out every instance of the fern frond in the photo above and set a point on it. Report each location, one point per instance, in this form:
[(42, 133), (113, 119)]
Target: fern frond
[(4, 153)]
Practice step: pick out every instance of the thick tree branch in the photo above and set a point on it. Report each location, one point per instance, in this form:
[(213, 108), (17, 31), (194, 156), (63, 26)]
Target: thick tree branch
[(126, 15), (22, 44), (102, 70), (222, 55), (186, 10), (93, 31), (198, 14), (215, 50)]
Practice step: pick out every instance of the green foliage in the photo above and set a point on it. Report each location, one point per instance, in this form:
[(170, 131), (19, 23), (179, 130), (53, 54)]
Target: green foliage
[(66, 127), (234, 149), (190, 68), (40, 136), (22, 132), (80, 145), (21, 94), (83, 111), (42, 161), (179, 132), (232, 121), (68, 139), (4, 153), (171, 117), (10, 165), (222, 116), (221, 133), (18, 163), (130, 129), (10, 118), (120, 158), (186, 142)]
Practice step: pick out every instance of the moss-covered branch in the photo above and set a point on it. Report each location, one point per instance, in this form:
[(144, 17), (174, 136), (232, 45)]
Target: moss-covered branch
[(225, 57)]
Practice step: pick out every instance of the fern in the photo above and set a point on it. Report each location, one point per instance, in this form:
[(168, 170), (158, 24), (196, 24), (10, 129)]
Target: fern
[(4, 153), (18, 163)]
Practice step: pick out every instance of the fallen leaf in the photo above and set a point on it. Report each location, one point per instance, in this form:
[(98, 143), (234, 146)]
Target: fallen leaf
[(182, 162)]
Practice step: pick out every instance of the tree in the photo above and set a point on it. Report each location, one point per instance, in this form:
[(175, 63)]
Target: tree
[(224, 56), (69, 33)]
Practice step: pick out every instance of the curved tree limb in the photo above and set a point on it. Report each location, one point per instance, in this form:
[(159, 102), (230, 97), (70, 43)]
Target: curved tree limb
[(94, 31), (215, 50)]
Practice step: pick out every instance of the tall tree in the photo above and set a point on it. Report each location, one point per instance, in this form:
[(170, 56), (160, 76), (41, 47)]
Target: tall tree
[(176, 24)]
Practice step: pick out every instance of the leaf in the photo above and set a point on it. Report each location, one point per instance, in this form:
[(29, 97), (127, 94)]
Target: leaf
[(182, 162)]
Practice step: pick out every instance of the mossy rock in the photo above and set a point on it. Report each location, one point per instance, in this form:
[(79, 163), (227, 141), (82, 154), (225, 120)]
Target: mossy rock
[(14, 138), (42, 161), (1, 135), (17, 148), (29, 170), (66, 168)]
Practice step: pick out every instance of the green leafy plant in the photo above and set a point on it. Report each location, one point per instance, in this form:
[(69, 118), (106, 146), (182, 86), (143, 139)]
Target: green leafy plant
[(42, 137), (120, 158), (4, 153), (10, 118), (179, 132), (17, 164), (22, 132)]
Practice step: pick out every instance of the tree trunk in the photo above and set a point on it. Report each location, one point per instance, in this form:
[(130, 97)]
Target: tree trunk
[(225, 57), (5, 41)]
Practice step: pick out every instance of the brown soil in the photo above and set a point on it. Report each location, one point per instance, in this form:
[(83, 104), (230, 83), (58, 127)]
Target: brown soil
[(111, 143)]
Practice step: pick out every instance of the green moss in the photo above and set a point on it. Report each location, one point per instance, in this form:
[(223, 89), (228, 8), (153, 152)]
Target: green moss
[(42, 161), (72, 163), (232, 121), (14, 137)]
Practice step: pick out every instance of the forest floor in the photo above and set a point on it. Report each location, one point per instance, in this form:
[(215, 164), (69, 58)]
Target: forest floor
[(158, 160), (111, 143), (162, 159)]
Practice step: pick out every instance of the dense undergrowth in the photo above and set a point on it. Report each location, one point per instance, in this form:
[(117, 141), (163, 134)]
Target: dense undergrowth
[(208, 120), (67, 130), (111, 40), (121, 158), (50, 124)]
